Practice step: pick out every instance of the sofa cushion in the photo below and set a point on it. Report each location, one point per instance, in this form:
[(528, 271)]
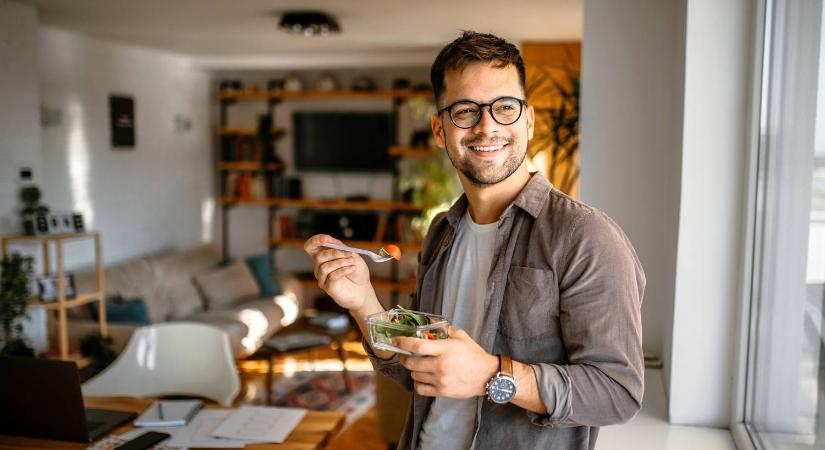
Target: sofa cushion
[(261, 267), (174, 274), (248, 323), (118, 310), (131, 279), (225, 286)]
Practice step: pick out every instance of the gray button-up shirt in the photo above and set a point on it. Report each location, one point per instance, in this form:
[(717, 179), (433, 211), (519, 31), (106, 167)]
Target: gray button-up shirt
[(563, 295)]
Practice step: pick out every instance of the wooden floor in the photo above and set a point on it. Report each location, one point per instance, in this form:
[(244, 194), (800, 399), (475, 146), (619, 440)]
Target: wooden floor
[(363, 434)]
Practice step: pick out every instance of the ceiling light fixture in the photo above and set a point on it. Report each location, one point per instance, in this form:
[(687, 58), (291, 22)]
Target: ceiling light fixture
[(309, 23)]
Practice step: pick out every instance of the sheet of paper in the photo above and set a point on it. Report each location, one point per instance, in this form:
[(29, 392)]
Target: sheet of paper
[(198, 433), (260, 423)]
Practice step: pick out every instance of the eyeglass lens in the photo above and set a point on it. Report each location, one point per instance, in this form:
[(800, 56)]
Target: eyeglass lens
[(505, 111)]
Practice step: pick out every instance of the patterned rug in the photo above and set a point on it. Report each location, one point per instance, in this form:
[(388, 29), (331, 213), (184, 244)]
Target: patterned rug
[(326, 391)]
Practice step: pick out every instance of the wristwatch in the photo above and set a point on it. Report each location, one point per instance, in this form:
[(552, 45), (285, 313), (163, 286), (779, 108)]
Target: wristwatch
[(502, 387)]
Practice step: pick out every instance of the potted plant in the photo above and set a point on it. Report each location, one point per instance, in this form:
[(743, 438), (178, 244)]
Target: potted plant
[(98, 349), (556, 139), (15, 273)]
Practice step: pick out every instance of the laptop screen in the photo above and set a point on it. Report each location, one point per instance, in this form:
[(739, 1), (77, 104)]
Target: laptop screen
[(41, 398)]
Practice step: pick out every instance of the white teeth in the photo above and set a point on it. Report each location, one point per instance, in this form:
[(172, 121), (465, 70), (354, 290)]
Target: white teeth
[(488, 149)]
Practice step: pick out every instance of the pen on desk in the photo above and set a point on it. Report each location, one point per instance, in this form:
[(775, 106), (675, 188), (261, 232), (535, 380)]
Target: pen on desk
[(160, 410)]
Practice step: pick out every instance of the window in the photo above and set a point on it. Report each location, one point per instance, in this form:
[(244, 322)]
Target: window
[(785, 379)]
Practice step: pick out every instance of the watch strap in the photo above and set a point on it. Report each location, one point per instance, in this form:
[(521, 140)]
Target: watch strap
[(505, 365)]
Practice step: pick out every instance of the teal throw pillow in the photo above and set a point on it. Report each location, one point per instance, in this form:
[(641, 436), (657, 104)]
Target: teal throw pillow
[(118, 310), (261, 267)]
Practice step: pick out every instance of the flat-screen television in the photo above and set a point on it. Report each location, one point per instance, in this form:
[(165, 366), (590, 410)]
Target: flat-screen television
[(342, 141)]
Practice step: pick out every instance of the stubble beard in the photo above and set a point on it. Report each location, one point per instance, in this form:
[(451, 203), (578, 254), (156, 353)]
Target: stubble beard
[(480, 175)]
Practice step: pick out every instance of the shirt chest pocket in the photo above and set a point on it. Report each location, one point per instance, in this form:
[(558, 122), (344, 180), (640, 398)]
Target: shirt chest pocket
[(530, 308)]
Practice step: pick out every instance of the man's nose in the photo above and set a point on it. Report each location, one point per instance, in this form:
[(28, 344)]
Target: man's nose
[(486, 123)]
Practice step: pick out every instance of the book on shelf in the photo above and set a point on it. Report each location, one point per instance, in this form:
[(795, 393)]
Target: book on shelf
[(240, 148), (283, 227), (256, 189)]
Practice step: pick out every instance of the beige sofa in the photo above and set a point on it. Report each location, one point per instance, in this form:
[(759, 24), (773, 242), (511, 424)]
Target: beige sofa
[(190, 285)]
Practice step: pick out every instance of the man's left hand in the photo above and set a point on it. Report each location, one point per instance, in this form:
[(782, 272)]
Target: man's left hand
[(456, 367)]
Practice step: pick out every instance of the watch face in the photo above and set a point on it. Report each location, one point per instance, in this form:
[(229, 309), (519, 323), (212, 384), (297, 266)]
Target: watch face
[(502, 390)]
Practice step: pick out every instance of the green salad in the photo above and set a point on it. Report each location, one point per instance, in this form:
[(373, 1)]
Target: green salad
[(406, 324)]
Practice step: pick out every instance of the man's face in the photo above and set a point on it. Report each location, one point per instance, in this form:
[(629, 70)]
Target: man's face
[(488, 152)]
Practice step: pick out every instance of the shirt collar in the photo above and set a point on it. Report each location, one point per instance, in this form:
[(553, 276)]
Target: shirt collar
[(531, 199)]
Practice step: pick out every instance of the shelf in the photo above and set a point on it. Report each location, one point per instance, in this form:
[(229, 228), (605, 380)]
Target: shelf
[(404, 246), (411, 151), (368, 205), (227, 200), (51, 237), (69, 303), (319, 95), (380, 284), (248, 166), (276, 132)]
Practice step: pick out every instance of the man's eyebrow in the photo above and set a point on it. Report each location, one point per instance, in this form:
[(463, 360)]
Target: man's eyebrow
[(478, 102), (460, 100)]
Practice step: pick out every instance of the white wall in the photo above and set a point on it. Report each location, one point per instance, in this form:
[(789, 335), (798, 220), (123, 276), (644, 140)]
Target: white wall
[(19, 118), (664, 138), (158, 194), (632, 78), (714, 162)]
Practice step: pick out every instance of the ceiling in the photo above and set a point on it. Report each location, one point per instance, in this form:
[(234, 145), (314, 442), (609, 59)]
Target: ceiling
[(222, 34)]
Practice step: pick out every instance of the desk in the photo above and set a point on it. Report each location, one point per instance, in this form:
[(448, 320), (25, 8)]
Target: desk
[(315, 431)]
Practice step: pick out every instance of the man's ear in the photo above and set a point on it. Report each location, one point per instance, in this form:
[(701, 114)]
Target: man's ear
[(438, 130), (531, 121)]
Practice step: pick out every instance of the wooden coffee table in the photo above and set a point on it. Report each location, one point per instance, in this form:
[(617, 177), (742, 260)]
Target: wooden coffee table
[(337, 336)]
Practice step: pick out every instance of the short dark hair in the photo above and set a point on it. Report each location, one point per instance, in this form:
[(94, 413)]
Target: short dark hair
[(474, 47)]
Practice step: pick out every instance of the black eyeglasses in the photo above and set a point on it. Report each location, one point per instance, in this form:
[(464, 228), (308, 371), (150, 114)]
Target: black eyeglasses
[(466, 114)]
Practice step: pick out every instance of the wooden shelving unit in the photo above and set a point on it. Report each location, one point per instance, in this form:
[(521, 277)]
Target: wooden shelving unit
[(414, 152), (315, 95), (386, 208), (78, 300), (62, 304), (249, 166), (337, 204), (226, 131), (345, 205)]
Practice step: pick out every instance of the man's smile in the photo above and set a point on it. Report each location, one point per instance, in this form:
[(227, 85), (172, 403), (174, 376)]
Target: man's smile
[(486, 148)]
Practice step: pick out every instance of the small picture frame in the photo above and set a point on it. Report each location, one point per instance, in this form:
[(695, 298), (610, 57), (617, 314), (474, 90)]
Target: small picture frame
[(47, 285)]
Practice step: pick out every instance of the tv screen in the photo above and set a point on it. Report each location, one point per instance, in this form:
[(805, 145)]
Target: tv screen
[(342, 141)]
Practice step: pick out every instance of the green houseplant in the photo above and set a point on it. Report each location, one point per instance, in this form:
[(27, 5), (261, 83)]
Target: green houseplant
[(432, 181), (15, 273), (98, 349), (557, 125)]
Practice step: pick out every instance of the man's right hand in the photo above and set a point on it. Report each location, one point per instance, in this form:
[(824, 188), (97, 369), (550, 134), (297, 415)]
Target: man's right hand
[(343, 275)]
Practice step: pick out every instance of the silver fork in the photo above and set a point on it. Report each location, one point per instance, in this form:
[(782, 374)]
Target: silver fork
[(374, 256)]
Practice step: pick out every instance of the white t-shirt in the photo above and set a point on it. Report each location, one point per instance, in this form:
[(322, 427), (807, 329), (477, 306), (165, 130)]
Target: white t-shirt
[(451, 422)]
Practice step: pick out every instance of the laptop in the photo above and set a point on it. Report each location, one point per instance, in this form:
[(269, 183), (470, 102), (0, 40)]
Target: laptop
[(41, 398)]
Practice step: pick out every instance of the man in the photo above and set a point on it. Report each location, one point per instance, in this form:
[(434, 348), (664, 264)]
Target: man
[(543, 291)]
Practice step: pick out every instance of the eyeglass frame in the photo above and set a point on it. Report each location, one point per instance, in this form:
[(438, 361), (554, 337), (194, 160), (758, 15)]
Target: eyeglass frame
[(448, 109)]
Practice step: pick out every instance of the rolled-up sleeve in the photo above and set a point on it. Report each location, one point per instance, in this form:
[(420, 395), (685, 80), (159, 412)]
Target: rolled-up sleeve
[(601, 286), (390, 367)]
